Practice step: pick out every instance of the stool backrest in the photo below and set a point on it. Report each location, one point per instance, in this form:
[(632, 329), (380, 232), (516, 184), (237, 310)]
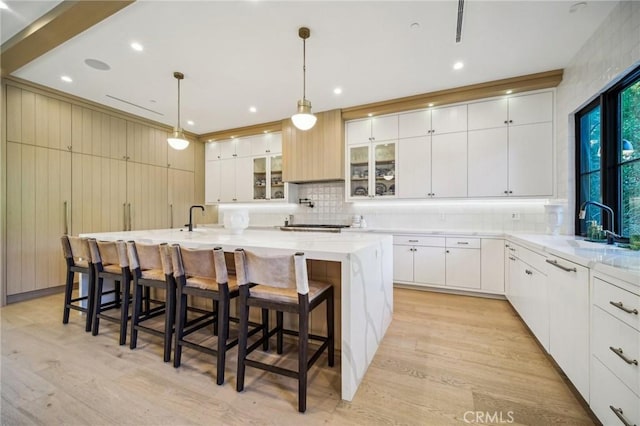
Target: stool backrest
[(144, 257), (200, 263), (284, 271), (109, 253), (76, 249)]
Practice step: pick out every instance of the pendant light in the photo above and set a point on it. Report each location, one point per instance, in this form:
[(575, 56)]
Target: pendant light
[(304, 119), (177, 140), (627, 148)]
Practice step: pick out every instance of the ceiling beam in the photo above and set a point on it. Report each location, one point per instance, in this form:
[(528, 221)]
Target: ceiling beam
[(60, 24)]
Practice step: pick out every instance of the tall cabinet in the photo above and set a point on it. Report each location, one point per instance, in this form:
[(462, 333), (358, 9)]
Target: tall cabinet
[(71, 169)]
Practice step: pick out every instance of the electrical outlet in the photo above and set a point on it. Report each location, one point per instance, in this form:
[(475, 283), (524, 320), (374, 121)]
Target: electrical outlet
[(515, 216)]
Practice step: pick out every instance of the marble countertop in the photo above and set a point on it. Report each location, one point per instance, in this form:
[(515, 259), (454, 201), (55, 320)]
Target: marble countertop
[(617, 262), (316, 245)]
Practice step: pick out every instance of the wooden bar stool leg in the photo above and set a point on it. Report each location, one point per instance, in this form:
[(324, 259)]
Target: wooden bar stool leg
[(223, 331), (181, 318), (265, 329), (68, 289), (124, 311), (96, 305), (91, 301), (303, 345), (216, 318), (135, 315), (279, 327), (242, 339), (169, 319), (330, 329)]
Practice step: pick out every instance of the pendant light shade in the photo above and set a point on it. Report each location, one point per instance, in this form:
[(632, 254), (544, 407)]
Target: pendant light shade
[(627, 148), (177, 140), (304, 119)]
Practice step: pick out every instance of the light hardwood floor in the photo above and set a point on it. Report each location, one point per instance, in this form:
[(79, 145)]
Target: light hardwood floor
[(444, 360)]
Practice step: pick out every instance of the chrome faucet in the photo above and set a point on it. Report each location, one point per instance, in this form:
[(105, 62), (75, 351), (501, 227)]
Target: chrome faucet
[(609, 233), (190, 224)]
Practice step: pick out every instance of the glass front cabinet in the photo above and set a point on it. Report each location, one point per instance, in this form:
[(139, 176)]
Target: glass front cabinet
[(372, 170), (267, 178)]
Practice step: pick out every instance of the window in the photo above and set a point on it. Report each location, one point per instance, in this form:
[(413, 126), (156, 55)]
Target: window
[(608, 157)]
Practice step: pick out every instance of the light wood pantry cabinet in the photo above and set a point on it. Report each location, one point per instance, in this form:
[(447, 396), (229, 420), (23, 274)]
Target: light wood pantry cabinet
[(111, 171), (181, 196), (317, 154), (372, 170), (38, 214), (511, 146)]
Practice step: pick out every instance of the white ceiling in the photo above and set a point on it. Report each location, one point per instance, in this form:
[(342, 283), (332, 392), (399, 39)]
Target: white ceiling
[(237, 54)]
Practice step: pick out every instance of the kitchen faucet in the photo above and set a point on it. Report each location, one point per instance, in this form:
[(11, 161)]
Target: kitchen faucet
[(610, 233), (190, 224)]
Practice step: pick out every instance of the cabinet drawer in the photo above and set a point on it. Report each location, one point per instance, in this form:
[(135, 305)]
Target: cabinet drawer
[(608, 393), (419, 240), (534, 259), (620, 303), (608, 333), (461, 242)]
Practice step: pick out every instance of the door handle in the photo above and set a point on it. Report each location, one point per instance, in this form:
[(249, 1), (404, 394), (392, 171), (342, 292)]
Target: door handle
[(66, 218), (621, 355), (124, 216), (620, 306), (129, 205), (170, 215)]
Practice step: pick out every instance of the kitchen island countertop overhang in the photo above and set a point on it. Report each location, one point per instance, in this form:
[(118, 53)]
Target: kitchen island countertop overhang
[(366, 278)]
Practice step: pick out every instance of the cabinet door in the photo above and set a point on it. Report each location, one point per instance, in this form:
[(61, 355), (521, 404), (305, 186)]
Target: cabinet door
[(492, 267), (384, 173), (212, 183), (414, 165), (538, 299), (359, 171), (182, 159), (181, 197), (403, 263), (449, 119), (276, 186), (488, 162), (358, 131), (146, 144), (244, 179), (227, 149), (212, 151), (531, 160), (274, 143), (463, 267), (488, 114), (384, 128), (227, 186), (449, 165), (260, 178), (429, 265), (259, 145), (529, 109), (242, 147), (147, 196), (413, 124), (569, 321)]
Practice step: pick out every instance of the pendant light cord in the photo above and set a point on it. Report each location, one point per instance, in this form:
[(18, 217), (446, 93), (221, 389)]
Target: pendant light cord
[(178, 104)]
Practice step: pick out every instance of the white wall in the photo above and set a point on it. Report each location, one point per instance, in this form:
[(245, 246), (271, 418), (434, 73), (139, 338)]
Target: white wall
[(611, 52)]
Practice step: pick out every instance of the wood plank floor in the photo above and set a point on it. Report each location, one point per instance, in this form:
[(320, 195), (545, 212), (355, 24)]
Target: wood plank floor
[(446, 359)]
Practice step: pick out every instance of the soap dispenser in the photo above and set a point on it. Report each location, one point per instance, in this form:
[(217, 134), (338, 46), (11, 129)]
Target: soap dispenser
[(363, 223)]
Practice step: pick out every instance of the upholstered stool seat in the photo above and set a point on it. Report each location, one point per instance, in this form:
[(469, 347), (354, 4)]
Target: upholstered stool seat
[(281, 283), (150, 266), (78, 258)]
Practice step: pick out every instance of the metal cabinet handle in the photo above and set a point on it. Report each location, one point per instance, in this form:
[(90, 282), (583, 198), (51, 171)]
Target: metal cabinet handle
[(124, 216), (620, 306), (621, 355), (462, 242), (618, 412), (171, 215), (65, 214), (414, 241), (528, 272), (507, 245), (506, 122), (447, 251), (129, 206), (557, 265), (511, 248), (512, 258)]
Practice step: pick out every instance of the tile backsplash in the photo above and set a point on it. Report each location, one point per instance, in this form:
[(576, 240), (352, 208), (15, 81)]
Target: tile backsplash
[(330, 207)]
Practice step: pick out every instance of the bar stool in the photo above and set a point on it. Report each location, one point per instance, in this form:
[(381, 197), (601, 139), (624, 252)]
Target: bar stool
[(78, 258), (202, 273), (150, 266), (281, 284), (110, 261)]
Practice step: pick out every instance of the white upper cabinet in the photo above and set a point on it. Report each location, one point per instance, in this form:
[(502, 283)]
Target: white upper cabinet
[(449, 119), (488, 155), (530, 109), (414, 159), (449, 165), (212, 151), (237, 147), (488, 114), (375, 129), (270, 143), (531, 160), (413, 124)]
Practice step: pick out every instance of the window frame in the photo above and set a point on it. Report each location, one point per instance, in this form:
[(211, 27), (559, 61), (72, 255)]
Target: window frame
[(610, 150)]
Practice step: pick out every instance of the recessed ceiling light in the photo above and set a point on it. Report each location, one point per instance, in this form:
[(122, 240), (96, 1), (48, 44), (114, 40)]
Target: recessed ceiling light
[(66, 79), (431, 104), (337, 90), (190, 122), (458, 66), (137, 46), (265, 131), (370, 114), (576, 7), (253, 109), (97, 64), (509, 92), (3, 5)]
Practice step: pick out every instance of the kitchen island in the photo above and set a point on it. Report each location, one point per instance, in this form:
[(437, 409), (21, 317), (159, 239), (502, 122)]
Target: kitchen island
[(359, 265)]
